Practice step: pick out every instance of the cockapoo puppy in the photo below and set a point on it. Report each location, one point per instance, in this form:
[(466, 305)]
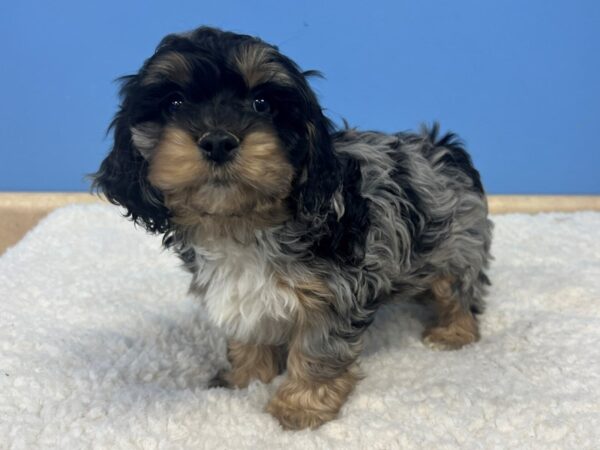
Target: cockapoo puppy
[(295, 232)]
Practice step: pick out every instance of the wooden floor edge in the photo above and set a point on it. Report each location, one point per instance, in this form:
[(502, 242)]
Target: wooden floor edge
[(499, 204), (45, 199), (21, 211), (504, 204)]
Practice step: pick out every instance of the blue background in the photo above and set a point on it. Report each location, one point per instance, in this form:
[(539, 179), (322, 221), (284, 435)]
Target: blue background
[(518, 80)]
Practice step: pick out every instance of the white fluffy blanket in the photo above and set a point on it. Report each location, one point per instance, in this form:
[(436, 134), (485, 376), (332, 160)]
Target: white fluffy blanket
[(100, 347)]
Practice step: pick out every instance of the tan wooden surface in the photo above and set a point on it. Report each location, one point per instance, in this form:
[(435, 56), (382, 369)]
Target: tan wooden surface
[(21, 211), (503, 204)]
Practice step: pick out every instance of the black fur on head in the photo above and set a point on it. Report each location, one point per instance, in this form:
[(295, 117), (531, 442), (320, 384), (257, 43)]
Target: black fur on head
[(207, 80)]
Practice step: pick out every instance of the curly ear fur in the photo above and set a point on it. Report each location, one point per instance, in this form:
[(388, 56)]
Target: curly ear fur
[(327, 194), (320, 177), (122, 174)]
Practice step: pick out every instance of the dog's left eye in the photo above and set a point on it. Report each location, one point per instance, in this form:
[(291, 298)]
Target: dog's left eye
[(260, 105), (174, 102)]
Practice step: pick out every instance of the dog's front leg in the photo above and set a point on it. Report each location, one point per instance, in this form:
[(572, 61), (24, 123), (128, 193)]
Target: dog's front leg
[(250, 362), (321, 368)]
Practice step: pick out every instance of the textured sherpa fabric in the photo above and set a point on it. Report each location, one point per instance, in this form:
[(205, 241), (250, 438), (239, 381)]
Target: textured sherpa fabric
[(101, 347)]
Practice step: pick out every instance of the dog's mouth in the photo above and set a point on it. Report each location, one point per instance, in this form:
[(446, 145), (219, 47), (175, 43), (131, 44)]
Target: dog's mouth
[(222, 176)]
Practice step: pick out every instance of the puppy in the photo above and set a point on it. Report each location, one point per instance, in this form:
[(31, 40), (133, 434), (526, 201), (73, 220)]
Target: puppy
[(295, 232)]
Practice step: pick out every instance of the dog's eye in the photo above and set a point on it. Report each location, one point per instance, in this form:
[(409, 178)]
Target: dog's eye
[(174, 102), (260, 105)]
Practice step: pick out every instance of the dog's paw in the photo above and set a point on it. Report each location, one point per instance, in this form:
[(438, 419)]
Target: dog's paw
[(293, 417), (448, 338)]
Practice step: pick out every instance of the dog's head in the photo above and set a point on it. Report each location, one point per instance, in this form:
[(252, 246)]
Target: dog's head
[(217, 124)]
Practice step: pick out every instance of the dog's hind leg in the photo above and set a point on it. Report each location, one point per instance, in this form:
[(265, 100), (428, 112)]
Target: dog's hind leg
[(454, 324)]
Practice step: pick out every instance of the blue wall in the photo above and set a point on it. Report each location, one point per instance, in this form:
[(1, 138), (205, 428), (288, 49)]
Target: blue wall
[(519, 80)]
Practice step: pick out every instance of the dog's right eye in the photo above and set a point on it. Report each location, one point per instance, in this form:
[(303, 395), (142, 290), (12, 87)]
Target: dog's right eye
[(174, 102), (261, 105)]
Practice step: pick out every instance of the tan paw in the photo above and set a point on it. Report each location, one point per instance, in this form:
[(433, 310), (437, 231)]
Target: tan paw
[(449, 338), (250, 362), (295, 418)]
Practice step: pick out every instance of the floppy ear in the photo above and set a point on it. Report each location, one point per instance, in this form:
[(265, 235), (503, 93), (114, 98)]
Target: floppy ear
[(122, 177), (320, 178)]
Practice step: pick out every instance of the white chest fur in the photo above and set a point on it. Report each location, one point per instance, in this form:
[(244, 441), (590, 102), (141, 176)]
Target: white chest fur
[(243, 294)]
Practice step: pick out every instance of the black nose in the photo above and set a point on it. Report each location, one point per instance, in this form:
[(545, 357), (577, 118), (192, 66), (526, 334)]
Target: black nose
[(218, 146)]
